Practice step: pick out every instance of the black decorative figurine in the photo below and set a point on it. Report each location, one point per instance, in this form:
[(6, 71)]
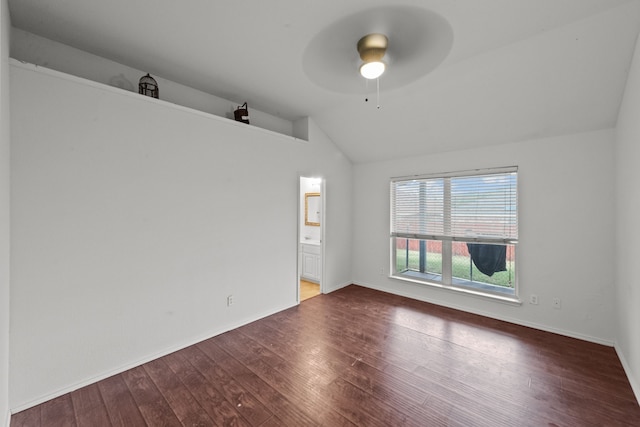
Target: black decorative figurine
[(148, 86), (242, 114)]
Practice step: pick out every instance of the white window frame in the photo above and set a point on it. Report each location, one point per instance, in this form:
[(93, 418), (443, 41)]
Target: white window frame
[(446, 237)]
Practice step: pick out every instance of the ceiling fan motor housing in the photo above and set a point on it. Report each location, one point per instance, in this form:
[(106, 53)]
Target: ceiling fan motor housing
[(372, 47)]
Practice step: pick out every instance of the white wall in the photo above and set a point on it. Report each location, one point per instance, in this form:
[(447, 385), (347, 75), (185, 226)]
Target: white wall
[(133, 219), (628, 226), (5, 26), (565, 222), (338, 208)]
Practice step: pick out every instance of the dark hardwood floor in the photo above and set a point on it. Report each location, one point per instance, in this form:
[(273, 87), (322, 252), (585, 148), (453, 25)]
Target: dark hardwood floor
[(362, 357)]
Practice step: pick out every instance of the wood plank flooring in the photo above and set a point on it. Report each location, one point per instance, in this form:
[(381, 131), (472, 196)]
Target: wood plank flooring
[(366, 358), (308, 290)]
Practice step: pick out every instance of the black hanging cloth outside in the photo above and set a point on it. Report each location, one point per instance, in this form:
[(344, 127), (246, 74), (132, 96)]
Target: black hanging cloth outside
[(488, 258)]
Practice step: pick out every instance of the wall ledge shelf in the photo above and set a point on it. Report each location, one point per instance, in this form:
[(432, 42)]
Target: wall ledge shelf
[(105, 87)]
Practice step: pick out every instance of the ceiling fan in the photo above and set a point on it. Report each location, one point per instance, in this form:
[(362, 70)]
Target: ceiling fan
[(372, 48), (403, 42)]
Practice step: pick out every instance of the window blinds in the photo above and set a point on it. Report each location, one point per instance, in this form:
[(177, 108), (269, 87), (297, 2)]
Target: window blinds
[(466, 206)]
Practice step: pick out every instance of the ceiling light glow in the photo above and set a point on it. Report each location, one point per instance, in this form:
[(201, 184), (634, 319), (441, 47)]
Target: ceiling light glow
[(372, 70)]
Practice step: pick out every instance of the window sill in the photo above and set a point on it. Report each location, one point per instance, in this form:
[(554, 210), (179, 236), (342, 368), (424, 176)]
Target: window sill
[(506, 299)]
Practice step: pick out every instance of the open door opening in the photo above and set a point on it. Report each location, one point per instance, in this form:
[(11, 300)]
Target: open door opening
[(310, 232)]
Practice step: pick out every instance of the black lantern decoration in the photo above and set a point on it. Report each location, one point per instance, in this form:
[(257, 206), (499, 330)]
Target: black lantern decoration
[(242, 114), (148, 86)]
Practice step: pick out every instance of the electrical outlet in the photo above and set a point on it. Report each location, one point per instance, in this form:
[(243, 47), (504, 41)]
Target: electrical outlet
[(229, 300), (533, 299), (557, 303)]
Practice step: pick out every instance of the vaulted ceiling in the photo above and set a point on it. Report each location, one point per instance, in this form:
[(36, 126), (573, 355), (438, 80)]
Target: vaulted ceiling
[(468, 73)]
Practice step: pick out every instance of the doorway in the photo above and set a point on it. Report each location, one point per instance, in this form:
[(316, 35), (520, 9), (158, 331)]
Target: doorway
[(310, 242)]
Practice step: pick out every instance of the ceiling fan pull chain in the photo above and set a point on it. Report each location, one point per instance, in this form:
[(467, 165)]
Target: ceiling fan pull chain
[(378, 91), (366, 90)]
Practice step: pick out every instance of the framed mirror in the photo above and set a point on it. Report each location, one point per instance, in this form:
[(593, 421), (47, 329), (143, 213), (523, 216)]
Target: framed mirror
[(312, 209)]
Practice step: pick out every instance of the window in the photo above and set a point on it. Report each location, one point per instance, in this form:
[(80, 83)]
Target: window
[(457, 230)]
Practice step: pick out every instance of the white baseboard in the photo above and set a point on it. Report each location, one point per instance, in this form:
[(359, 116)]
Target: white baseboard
[(335, 288), (127, 366), (490, 315), (8, 422), (635, 382)]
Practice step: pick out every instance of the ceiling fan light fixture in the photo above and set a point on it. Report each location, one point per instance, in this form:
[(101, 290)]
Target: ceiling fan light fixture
[(372, 70), (372, 48)]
